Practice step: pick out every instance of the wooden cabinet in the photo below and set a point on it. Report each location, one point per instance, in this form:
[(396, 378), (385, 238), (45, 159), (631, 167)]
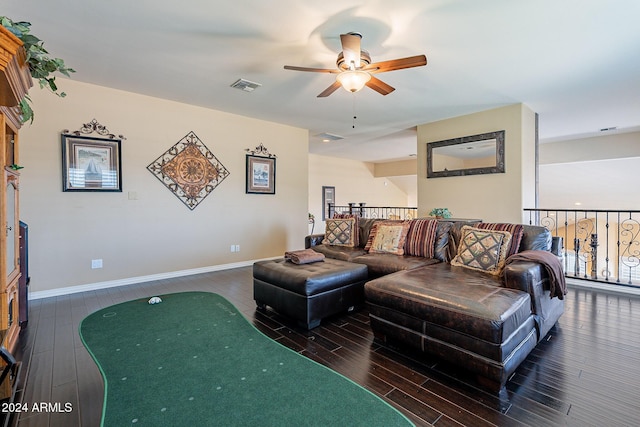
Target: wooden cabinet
[(9, 242), (15, 81), (10, 252)]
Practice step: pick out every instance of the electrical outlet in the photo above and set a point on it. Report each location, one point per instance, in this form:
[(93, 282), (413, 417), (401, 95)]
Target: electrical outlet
[(96, 263), (233, 248), (237, 248)]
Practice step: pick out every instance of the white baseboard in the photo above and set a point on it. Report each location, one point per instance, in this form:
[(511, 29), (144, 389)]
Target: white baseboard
[(576, 283), (139, 279), (601, 286)]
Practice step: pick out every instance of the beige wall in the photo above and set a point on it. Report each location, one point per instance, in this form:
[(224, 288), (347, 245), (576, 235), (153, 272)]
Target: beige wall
[(492, 197), (591, 173), (596, 148), (402, 174), (397, 168), (354, 182), (156, 233)]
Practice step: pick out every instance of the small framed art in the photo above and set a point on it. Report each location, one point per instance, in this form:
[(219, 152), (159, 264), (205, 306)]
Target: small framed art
[(261, 175), (328, 196), (91, 164)]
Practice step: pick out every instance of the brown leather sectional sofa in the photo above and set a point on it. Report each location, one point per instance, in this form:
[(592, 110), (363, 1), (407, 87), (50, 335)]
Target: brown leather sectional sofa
[(487, 324)]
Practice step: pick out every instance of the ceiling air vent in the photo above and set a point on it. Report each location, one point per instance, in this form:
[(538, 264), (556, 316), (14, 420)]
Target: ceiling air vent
[(245, 85), (326, 137)]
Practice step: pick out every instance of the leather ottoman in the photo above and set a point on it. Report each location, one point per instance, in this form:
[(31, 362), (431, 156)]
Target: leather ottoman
[(309, 292)]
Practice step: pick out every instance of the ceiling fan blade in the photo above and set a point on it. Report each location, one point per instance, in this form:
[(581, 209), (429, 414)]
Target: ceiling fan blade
[(380, 86), (396, 64), (351, 48), (328, 91), (313, 70)]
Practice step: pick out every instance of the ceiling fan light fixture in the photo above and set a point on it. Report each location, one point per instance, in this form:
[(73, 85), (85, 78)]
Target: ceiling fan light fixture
[(355, 69), (353, 80)]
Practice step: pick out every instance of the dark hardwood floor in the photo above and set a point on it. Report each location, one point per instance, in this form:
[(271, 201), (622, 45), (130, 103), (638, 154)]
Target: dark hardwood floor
[(586, 371)]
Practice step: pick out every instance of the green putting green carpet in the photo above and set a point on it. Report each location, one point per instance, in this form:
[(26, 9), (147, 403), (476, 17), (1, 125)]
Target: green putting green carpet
[(194, 360)]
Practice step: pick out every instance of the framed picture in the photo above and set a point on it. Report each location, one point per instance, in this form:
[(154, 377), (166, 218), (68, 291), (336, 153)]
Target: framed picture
[(261, 175), (328, 196), (91, 164)]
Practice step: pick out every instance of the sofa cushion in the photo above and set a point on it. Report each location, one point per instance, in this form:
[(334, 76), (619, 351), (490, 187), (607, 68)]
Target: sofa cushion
[(421, 238), (381, 264), (389, 238), (535, 238), (343, 253), (340, 232), (365, 226), (516, 230), (441, 248), (482, 250)]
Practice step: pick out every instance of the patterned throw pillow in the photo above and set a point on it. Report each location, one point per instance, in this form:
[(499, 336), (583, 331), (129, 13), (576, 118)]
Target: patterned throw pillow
[(356, 225), (421, 238), (482, 250), (374, 229), (389, 239), (339, 232), (516, 230)]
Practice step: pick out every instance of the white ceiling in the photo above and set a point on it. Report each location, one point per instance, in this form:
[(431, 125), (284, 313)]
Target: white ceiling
[(575, 62)]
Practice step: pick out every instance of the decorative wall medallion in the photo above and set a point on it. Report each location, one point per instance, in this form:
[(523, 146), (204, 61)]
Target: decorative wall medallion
[(189, 170)]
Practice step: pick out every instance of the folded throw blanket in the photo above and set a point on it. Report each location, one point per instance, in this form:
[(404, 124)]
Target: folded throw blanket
[(553, 265), (304, 256)]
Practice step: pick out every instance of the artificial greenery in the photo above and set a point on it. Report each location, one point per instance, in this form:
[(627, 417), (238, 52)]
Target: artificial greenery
[(440, 212), (41, 65), (312, 221)]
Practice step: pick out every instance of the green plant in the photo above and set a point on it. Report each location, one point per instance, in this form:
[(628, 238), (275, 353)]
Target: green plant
[(440, 212), (41, 65)]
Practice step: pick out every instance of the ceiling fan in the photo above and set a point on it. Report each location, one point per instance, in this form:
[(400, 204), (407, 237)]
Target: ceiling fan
[(355, 69)]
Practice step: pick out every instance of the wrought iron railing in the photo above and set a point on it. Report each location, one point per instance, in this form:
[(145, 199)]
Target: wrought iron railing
[(599, 245), (383, 212)]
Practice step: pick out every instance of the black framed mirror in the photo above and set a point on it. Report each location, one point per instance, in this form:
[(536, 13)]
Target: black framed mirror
[(468, 155)]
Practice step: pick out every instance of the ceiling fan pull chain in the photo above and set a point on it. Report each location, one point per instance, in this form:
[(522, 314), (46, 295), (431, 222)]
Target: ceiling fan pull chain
[(353, 126)]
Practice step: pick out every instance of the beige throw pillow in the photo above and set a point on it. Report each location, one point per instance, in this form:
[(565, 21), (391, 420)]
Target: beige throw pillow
[(482, 250), (389, 239)]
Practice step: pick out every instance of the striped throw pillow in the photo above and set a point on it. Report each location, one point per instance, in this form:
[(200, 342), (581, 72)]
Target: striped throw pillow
[(421, 238)]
